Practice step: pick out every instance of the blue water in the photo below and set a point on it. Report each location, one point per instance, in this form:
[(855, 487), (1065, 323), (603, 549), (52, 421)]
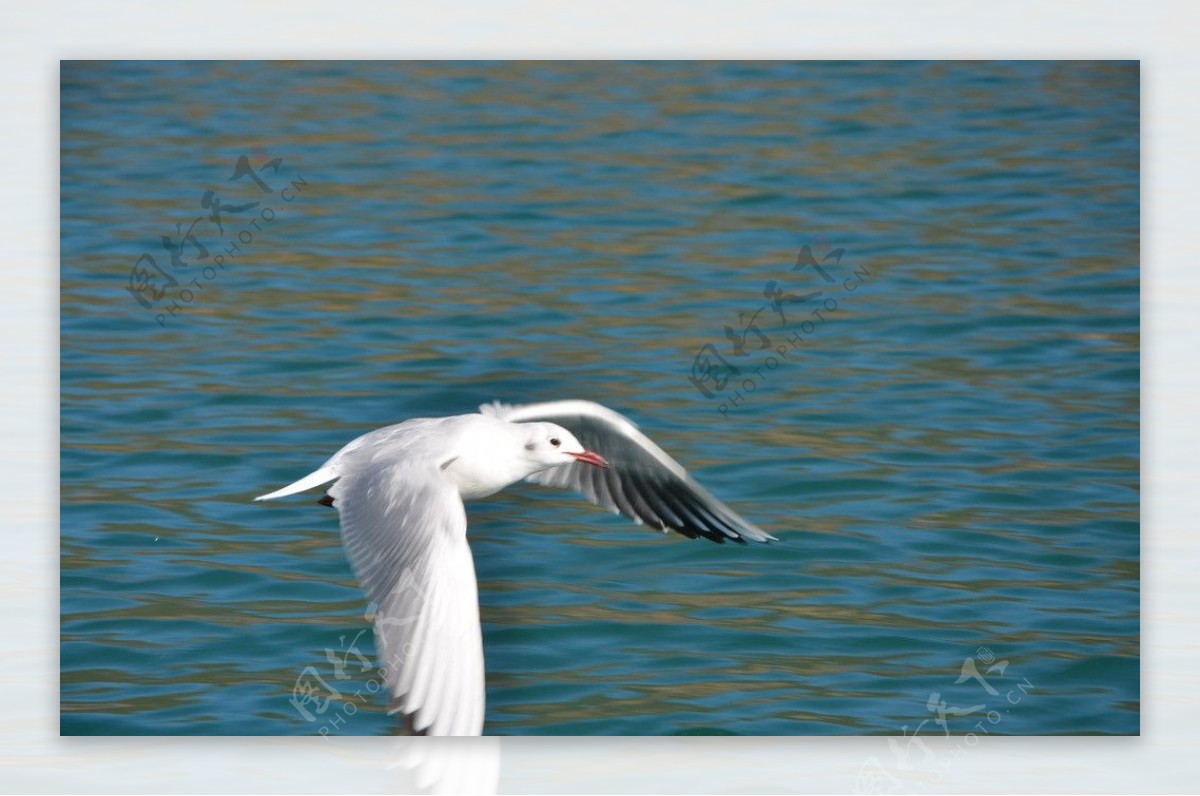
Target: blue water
[(949, 456)]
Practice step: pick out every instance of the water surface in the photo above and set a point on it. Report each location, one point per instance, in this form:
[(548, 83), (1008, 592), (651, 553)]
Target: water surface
[(949, 457)]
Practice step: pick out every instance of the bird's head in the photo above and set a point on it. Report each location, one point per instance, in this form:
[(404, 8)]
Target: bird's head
[(550, 445)]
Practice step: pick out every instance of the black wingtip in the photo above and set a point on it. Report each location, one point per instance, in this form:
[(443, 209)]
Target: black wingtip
[(326, 501)]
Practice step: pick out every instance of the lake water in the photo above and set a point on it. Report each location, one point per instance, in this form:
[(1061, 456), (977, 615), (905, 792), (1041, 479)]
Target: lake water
[(949, 452)]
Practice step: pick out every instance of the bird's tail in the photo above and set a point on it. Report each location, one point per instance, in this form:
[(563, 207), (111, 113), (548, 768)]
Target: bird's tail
[(322, 476)]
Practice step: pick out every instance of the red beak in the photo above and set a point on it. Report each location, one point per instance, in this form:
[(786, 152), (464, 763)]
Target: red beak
[(591, 457)]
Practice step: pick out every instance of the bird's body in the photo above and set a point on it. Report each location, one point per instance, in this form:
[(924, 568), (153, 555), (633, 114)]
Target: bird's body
[(400, 489)]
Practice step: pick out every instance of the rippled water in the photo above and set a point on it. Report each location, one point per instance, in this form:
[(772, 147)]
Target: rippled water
[(950, 457)]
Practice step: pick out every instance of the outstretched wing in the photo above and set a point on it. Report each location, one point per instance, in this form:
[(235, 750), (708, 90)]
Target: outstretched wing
[(405, 532), (643, 482)]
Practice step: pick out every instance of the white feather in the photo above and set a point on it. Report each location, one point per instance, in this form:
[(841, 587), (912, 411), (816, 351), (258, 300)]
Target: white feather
[(321, 476)]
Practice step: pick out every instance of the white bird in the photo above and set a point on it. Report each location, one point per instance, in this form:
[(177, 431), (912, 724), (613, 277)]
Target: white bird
[(399, 492)]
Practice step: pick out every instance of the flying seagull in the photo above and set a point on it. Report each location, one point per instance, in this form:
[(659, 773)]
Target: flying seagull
[(399, 492)]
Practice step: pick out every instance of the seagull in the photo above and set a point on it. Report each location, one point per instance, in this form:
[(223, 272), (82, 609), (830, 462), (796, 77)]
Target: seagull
[(399, 493)]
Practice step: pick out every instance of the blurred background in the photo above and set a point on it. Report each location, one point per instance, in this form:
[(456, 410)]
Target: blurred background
[(949, 457)]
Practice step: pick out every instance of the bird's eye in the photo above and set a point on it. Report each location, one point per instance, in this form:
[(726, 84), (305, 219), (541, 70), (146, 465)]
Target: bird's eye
[(555, 441)]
